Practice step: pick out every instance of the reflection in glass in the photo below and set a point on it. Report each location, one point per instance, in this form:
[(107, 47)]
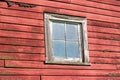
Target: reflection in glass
[(72, 49), (71, 31), (58, 30), (59, 48)]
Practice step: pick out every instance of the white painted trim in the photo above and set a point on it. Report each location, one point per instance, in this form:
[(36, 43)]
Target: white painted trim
[(48, 38)]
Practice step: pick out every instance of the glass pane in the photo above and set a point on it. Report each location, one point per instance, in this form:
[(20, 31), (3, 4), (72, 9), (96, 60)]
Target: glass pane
[(72, 49), (59, 48), (71, 31), (58, 30)]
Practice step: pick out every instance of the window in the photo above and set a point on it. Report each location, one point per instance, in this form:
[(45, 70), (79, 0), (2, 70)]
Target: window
[(66, 39)]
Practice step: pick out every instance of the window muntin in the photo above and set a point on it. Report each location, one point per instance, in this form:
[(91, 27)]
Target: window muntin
[(66, 35)]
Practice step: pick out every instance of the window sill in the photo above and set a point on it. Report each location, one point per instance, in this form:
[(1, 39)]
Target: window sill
[(68, 63)]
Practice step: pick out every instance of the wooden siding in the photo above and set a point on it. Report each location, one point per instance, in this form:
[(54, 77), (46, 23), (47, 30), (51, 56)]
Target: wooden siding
[(22, 40)]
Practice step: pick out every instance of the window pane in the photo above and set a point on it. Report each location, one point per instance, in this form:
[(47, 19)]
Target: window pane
[(71, 31), (72, 49), (58, 30), (59, 48)]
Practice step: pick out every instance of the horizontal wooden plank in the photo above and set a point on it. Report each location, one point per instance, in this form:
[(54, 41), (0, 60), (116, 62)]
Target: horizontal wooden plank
[(20, 78), (22, 42), (103, 42), (41, 65), (17, 20), (22, 56), (4, 33), (97, 60), (21, 49), (1, 63), (94, 47), (17, 13), (23, 28), (118, 67), (36, 72), (33, 64), (103, 30), (68, 1), (105, 54), (111, 2), (103, 24), (78, 78), (103, 36)]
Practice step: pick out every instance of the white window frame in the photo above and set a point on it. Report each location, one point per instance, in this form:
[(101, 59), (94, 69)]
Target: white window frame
[(84, 59)]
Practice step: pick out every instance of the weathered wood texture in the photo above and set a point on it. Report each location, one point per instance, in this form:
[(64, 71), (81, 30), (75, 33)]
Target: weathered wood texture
[(22, 40)]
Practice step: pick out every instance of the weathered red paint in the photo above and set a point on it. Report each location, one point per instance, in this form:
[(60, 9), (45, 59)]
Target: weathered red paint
[(103, 36), (104, 54), (17, 13), (62, 5), (104, 48), (103, 42), (22, 56), (24, 64), (21, 49), (5, 33), (103, 24), (104, 30), (91, 16), (22, 40), (58, 72), (18, 20), (36, 64), (20, 77), (95, 5), (105, 60), (1, 63), (23, 28), (78, 78), (111, 2)]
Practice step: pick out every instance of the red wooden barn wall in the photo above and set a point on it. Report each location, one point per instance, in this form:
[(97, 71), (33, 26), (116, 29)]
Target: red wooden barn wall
[(22, 49)]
